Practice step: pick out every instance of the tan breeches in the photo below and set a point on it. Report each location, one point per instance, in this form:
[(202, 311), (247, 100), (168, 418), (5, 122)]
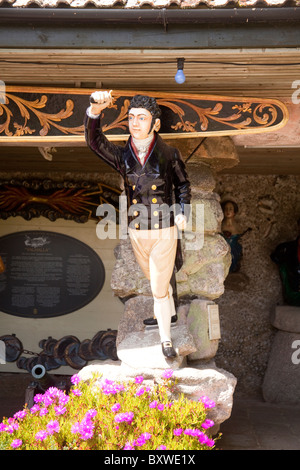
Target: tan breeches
[(156, 256)]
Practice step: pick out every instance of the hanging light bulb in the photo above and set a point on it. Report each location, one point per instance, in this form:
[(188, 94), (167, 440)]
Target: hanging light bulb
[(180, 77)]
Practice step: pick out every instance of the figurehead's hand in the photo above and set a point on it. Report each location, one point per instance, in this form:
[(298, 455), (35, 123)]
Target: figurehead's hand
[(181, 221), (100, 100)]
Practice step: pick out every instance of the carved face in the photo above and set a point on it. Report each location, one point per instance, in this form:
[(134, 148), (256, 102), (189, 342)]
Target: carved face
[(140, 121), (229, 210)]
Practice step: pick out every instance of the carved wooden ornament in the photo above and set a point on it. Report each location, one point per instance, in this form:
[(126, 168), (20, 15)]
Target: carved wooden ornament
[(44, 115)]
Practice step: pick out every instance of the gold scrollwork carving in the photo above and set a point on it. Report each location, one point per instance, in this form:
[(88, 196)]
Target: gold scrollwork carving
[(188, 115), (205, 115), (46, 120)]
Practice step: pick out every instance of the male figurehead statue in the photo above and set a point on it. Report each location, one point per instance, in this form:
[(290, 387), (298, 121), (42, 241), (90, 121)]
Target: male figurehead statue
[(154, 176)]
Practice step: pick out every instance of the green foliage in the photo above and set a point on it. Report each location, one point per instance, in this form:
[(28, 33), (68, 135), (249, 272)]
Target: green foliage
[(106, 415)]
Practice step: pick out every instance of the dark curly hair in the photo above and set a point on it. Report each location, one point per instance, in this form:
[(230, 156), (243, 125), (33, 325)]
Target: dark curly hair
[(146, 102), (235, 206)]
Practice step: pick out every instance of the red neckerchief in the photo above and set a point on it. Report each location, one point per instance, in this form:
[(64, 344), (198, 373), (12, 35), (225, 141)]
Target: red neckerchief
[(148, 153)]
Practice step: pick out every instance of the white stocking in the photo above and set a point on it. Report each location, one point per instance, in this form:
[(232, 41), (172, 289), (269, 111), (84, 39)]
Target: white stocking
[(162, 312), (172, 304)]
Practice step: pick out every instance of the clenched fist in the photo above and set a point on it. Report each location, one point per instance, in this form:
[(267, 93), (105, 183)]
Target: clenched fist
[(100, 100), (181, 221)]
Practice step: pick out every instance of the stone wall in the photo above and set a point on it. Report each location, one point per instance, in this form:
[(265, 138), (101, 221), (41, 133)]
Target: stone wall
[(270, 206)]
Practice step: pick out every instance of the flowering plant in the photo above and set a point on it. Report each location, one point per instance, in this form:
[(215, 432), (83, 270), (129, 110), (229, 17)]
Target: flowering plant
[(106, 415)]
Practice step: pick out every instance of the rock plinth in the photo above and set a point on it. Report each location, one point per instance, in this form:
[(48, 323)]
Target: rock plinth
[(193, 382), (282, 377)]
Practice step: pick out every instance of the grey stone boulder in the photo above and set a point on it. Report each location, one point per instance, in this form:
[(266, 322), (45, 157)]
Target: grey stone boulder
[(194, 382)]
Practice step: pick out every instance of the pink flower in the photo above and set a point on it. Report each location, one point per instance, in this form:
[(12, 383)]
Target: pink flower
[(140, 441), (139, 379), (60, 410), (202, 438), (43, 411), (63, 399), (90, 413), (16, 443), (2, 427), (140, 392), (127, 417), (207, 402), (47, 400), (128, 446), (75, 428), (108, 387), (77, 392), (86, 429), (193, 432), (52, 392), (41, 436), (34, 409), (115, 407), (177, 431), (161, 406), (52, 427), (75, 379), (38, 398), (153, 404), (20, 414), (210, 442), (13, 426), (161, 447), (167, 374), (208, 423)]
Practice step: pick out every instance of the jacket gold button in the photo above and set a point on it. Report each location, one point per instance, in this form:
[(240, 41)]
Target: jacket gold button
[(156, 225), (153, 187), (133, 187), (134, 201), (136, 225), (155, 213), (154, 200), (135, 213)]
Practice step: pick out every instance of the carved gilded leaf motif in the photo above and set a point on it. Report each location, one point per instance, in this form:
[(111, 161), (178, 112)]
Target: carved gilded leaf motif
[(41, 115)]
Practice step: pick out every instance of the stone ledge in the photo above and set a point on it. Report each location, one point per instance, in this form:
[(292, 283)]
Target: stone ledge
[(286, 318)]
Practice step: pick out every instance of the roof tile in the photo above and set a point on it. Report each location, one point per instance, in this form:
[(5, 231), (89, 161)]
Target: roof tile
[(146, 3)]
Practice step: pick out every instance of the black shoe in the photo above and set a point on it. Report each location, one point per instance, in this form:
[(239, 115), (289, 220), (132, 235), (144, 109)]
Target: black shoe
[(153, 321), (167, 349)]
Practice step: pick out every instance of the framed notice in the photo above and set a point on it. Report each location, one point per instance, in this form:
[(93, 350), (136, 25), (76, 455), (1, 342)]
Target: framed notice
[(47, 274)]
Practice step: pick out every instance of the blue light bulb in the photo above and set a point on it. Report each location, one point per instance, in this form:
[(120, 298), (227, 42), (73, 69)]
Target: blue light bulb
[(179, 77)]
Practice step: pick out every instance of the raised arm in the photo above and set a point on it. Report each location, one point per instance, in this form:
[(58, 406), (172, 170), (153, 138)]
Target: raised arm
[(95, 138)]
